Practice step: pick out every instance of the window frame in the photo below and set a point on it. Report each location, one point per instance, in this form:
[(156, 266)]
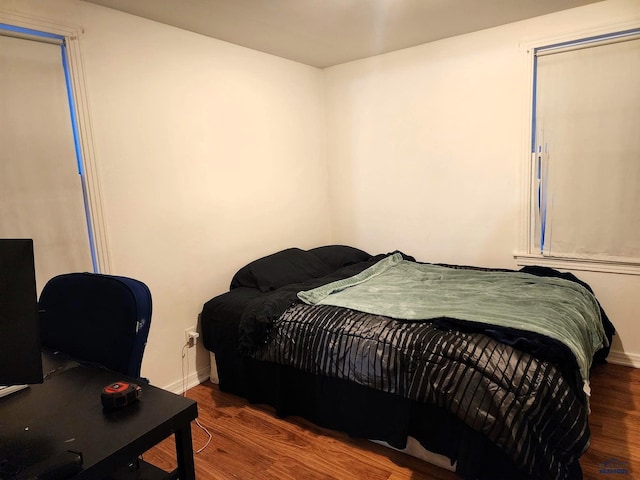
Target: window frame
[(526, 253), (70, 35)]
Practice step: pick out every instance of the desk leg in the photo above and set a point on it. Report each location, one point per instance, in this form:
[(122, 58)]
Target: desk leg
[(184, 454)]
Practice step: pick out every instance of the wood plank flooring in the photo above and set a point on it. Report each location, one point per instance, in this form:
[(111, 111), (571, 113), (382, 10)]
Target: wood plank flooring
[(249, 442)]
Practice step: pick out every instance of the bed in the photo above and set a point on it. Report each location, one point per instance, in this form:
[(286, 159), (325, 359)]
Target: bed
[(485, 368)]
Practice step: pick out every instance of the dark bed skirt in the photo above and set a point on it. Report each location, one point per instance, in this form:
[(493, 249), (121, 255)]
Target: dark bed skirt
[(365, 413)]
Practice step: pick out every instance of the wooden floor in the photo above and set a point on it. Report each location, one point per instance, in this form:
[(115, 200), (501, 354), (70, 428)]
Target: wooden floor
[(249, 442)]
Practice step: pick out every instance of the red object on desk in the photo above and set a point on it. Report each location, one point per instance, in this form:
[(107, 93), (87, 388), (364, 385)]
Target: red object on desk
[(119, 394)]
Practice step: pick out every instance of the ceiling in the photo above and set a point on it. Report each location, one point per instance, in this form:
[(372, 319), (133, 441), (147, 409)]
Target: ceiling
[(323, 33)]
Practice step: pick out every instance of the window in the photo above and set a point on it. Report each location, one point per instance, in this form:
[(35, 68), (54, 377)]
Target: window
[(42, 188), (585, 145)]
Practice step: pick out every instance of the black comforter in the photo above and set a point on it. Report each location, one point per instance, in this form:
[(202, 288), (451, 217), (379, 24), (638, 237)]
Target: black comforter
[(521, 404)]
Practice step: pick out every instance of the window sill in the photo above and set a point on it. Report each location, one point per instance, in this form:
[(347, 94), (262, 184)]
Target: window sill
[(562, 263)]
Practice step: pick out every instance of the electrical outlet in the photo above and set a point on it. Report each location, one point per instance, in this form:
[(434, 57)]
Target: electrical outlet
[(191, 336)]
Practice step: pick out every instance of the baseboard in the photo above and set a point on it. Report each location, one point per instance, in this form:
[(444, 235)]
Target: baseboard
[(626, 359), (193, 379)]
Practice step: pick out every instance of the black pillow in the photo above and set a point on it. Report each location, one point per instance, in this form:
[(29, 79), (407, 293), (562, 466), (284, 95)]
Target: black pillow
[(286, 267), (338, 256)]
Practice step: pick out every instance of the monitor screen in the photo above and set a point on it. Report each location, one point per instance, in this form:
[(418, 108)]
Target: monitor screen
[(20, 357)]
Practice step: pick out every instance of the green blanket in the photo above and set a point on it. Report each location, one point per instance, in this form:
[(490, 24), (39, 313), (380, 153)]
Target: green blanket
[(396, 288)]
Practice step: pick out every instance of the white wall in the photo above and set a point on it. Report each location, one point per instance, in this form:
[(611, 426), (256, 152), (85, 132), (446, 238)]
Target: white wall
[(423, 149), (209, 155), (427, 145)]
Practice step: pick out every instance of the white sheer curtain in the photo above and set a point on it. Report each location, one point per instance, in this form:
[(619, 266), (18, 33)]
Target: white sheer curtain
[(588, 145), (40, 188)]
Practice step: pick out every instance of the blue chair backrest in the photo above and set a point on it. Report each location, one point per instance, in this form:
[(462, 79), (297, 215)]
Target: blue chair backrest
[(96, 318)]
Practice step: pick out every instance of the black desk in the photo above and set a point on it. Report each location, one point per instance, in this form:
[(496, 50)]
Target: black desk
[(65, 413)]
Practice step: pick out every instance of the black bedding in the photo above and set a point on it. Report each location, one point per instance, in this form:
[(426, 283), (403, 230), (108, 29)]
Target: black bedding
[(489, 398)]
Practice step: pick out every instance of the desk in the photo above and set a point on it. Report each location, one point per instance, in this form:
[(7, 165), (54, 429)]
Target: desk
[(65, 413)]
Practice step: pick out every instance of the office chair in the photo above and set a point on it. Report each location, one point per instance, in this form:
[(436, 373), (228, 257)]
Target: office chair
[(95, 318)]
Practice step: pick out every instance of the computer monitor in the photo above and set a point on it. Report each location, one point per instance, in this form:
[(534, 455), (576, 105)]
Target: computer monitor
[(20, 353)]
